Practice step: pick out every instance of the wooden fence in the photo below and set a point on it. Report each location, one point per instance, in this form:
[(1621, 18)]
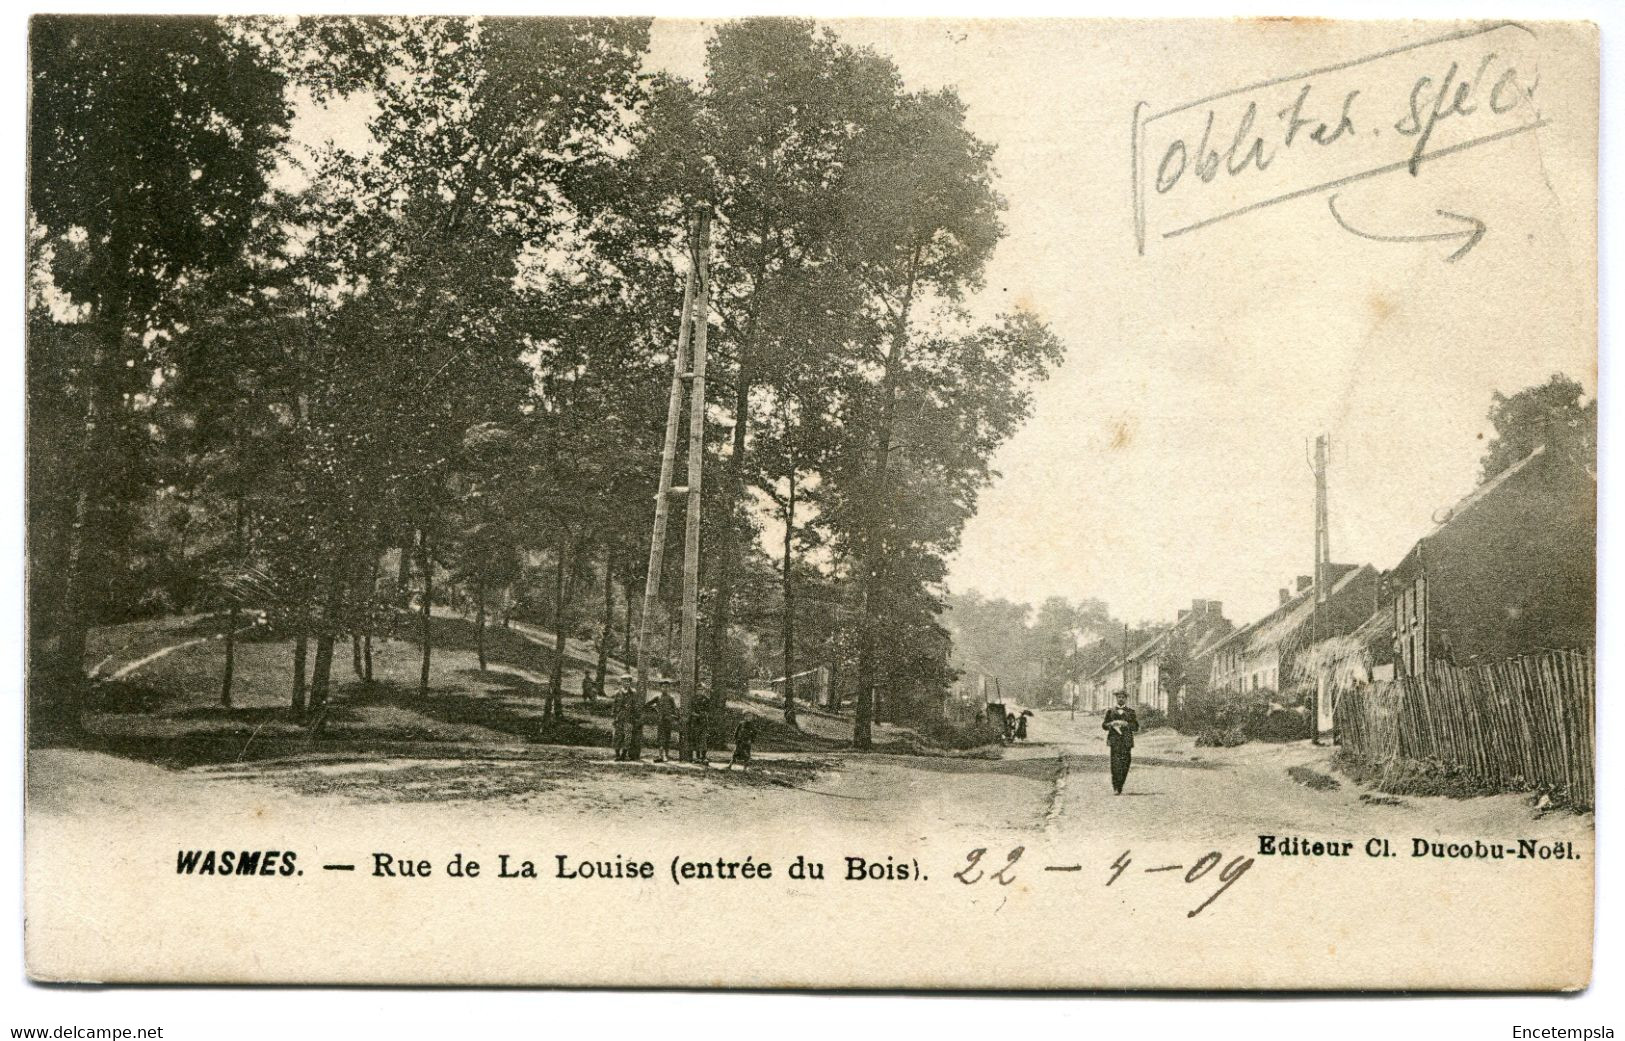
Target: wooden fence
[(1521, 724)]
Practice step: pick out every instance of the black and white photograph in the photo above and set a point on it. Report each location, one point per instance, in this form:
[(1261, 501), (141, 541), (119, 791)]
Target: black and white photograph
[(810, 503)]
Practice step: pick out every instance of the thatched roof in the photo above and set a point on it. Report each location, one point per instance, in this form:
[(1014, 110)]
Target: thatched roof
[(1288, 625), (1350, 656)]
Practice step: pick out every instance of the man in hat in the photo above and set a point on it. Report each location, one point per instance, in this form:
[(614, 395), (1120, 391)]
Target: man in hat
[(1120, 725)]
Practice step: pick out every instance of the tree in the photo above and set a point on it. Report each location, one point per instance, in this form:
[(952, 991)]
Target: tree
[(935, 421), (492, 138), (798, 437), (764, 141), (1055, 641), (151, 141), (1547, 414), (924, 218), (232, 376)]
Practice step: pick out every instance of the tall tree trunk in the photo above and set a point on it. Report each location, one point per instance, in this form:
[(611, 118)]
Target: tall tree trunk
[(553, 709), (479, 616), (874, 584), (301, 643), (403, 574), (355, 655), (789, 626), (232, 615), (92, 555), (369, 617), (608, 621), (50, 541), (722, 678), (321, 674), (426, 562), (230, 668), (626, 627)]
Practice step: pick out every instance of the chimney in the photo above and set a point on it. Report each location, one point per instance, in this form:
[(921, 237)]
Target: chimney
[(1304, 582), (1215, 607), (1198, 607), (1285, 596)]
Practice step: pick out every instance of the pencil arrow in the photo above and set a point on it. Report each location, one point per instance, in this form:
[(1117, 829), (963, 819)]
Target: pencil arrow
[(1471, 234)]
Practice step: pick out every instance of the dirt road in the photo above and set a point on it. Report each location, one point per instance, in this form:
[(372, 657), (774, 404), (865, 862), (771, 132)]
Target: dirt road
[(1055, 785)]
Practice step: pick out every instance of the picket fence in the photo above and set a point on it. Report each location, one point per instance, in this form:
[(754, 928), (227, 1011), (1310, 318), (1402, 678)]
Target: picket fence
[(1518, 725)]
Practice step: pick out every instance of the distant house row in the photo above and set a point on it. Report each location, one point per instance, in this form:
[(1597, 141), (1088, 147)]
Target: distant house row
[(1509, 571), (1156, 670)]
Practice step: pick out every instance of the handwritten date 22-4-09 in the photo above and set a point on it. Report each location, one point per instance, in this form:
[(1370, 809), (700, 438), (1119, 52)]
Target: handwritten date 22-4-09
[(978, 869)]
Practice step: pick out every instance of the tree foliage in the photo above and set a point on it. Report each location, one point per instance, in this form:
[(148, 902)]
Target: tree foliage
[(1549, 414), (351, 386)]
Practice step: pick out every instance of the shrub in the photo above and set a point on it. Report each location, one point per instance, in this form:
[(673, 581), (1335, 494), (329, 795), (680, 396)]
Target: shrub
[(1225, 718), (1151, 718), (1220, 737), (1290, 724)]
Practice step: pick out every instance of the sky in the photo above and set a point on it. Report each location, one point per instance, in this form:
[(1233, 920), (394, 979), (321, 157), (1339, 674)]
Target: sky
[(1167, 457)]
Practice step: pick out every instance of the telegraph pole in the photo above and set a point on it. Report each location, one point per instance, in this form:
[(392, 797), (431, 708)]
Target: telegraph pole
[(688, 373), (1323, 545), (1125, 659), (696, 456), (1323, 556)]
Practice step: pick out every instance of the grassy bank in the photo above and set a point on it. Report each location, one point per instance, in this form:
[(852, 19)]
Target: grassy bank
[(167, 708)]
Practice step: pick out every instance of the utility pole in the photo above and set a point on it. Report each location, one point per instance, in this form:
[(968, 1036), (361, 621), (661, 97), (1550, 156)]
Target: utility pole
[(696, 457), (688, 373), (1323, 546), (1125, 657), (1323, 555)]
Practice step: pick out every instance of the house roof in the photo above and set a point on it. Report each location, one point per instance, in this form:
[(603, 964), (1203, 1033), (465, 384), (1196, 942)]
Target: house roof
[(1286, 620), (1106, 669), (1147, 646), (1211, 640), (1376, 631), (1211, 628), (1487, 490)]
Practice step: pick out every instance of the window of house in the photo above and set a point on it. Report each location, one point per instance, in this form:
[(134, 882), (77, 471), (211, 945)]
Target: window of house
[(1410, 626)]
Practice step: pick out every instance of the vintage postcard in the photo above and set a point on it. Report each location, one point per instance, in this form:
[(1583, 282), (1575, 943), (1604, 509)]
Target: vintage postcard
[(1027, 504)]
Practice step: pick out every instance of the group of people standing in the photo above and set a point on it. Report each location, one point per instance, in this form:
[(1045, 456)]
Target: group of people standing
[(663, 709)]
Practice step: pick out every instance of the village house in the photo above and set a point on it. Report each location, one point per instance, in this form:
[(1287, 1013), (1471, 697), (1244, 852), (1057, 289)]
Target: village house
[(1172, 660), (1157, 670), (1262, 655), (1508, 572), (1095, 690)]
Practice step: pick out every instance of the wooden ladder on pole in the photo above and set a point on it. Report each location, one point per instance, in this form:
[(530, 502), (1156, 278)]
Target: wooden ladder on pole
[(688, 378)]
